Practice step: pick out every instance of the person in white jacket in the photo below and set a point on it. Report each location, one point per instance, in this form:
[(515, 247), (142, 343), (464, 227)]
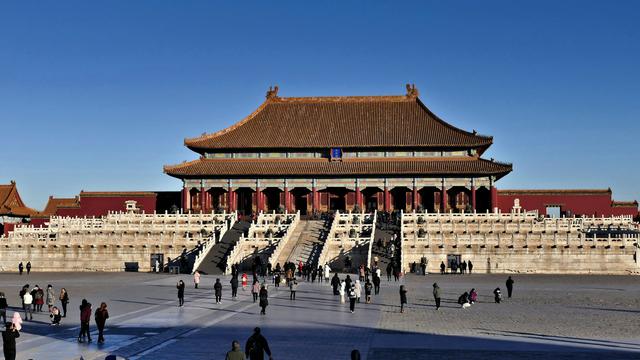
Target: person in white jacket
[(342, 286), (327, 272), (358, 289), (28, 306)]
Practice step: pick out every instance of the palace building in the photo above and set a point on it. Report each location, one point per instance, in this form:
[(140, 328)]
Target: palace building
[(314, 154)]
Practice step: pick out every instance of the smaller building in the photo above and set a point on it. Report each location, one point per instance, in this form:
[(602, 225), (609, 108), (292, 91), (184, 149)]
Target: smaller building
[(12, 209), (556, 202)]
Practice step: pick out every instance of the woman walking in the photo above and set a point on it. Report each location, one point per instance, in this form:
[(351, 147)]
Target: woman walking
[(196, 278), (358, 288), (180, 287), (85, 317), (342, 289), (367, 291), (101, 317), (217, 287), (64, 300), (255, 290), (50, 296), (403, 298), (352, 298), (264, 300)]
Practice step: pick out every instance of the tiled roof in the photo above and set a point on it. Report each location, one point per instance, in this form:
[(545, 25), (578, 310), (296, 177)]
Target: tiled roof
[(346, 122), (54, 203), (549, 192), (11, 204), (115, 193), (624, 204), (324, 167)]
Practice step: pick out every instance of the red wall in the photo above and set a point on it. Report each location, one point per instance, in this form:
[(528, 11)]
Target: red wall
[(101, 205), (598, 204)]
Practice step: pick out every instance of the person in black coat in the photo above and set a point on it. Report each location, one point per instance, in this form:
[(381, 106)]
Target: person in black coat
[(180, 287), (264, 300), (9, 337), (509, 286), (389, 271), (403, 298), (256, 346), (217, 288), (347, 283), (234, 286), (335, 283), (469, 266), (376, 284)]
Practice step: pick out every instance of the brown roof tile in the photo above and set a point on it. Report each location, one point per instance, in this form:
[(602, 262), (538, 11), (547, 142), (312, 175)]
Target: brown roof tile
[(351, 167), (11, 204), (54, 203), (352, 121)]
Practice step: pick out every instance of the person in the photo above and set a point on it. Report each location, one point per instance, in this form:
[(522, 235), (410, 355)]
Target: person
[(3, 307), (16, 320), (352, 298), (335, 284), (28, 267), (64, 300), (24, 290), (27, 299), (101, 317), (85, 317), (509, 287), (38, 299), (255, 289), (436, 295), (389, 271), (463, 300), (196, 278), (473, 296), (376, 284), (347, 282), (470, 266), (497, 295), (342, 291), (403, 297), (234, 286), (55, 316), (361, 272), (355, 354), (256, 346), (327, 272), (9, 336), (293, 287), (358, 288), (423, 268), (217, 288), (20, 268), (264, 300), (244, 281), (236, 352), (276, 280), (50, 296), (367, 291), (442, 268), (180, 287)]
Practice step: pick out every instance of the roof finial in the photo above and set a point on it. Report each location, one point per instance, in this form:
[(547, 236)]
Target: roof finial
[(272, 93), (412, 91)]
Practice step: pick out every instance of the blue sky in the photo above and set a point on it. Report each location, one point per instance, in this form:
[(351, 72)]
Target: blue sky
[(99, 95)]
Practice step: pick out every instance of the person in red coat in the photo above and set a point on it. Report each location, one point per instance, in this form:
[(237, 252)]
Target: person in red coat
[(85, 317)]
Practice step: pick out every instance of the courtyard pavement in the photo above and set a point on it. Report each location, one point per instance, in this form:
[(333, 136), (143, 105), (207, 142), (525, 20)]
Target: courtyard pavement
[(563, 317)]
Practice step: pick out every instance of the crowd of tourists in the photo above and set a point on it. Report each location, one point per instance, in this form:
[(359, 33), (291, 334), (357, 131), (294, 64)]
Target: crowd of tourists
[(32, 300)]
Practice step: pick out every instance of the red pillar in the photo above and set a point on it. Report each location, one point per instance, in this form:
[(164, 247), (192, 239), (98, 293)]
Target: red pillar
[(494, 198), (259, 200), (203, 199), (414, 198), (315, 204), (358, 197), (230, 199), (473, 198), (287, 201), (387, 199), (443, 200), (185, 200)]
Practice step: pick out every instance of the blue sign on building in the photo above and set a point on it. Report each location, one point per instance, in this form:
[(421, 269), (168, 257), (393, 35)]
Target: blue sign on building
[(336, 153)]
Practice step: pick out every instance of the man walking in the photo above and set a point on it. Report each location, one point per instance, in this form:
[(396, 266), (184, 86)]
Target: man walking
[(256, 346), (509, 286)]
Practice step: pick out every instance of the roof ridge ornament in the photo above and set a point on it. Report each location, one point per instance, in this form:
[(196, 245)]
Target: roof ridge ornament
[(412, 91), (272, 93)]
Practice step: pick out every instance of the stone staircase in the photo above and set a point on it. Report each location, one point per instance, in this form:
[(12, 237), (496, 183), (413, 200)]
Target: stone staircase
[(384, 258), (306, 243), (215, 261)]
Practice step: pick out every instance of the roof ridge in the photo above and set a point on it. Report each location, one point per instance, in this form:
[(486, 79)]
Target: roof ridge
[(351, 98)]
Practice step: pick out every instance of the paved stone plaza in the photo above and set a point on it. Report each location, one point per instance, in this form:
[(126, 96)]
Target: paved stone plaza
[(571, 316)]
